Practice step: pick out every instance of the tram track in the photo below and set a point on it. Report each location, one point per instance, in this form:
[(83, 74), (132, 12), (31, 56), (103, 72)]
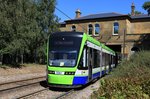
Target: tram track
[(62, 96), (14, 88), (20, 83), (31, 94), (20, 89), (55, 93), (17, 87), (59, 96), (10, 82), (38, 89)]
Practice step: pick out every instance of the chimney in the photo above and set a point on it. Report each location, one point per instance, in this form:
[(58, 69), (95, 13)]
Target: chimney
[(78, 13), (132, 9)]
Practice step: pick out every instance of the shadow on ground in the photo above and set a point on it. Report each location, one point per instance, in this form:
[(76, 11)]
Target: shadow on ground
[(61, 89)]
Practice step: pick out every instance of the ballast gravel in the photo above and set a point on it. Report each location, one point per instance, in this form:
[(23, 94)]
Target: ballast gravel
[(78, 94)]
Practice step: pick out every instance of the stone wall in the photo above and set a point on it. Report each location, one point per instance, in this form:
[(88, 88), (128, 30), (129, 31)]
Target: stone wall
[(140, 27)]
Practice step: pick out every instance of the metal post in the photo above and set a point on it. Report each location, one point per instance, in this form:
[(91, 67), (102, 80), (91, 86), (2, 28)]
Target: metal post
[(124, 37)]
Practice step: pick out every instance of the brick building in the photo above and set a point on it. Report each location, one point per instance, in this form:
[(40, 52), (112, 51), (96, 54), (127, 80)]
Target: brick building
[(123, 33)]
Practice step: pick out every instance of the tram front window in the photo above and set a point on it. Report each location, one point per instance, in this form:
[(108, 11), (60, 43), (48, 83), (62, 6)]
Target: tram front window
[(62, 58)]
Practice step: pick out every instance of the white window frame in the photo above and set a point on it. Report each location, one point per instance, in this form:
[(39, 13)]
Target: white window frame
[(95, 29), (114, 29)]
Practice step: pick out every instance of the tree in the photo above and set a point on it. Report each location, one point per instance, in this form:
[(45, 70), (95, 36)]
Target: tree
[(17, 13), (47, 23), (25, 26), (146, 6), (138, 13)]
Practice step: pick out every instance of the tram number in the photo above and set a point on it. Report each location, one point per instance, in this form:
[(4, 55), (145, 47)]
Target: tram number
[(59, 73)]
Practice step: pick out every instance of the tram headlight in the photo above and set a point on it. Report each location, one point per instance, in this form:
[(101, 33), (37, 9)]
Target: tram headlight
[(51, 72), (69, 73)]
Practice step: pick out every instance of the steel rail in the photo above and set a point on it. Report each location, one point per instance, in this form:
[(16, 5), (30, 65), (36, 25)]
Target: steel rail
[(31, 94), (65, 94), (22, 80), (25, 85)]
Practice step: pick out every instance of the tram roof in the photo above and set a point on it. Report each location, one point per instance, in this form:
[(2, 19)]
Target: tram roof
[(107, 48), (92, 40)]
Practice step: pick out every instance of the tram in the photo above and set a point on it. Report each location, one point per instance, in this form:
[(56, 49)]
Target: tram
[(75, 59)]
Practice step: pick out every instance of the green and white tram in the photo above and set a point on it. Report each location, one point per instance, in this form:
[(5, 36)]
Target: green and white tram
[(75, 59)]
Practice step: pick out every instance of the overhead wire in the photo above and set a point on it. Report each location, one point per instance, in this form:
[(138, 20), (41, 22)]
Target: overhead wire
[(68, 16)]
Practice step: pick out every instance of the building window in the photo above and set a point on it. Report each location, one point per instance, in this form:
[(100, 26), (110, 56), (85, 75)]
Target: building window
[(97, 29), (73, 28), (90, 29), (116, 28)]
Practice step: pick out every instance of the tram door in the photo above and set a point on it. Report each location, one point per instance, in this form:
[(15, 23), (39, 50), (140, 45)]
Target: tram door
[(90, 62)]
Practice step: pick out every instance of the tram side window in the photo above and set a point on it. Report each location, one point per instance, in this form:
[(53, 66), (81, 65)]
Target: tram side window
[(111, 59), (114, 59), (103, 59), (91, 57), (91, 52), (80, 66), (96, 58), (83, 61), (107, 59)]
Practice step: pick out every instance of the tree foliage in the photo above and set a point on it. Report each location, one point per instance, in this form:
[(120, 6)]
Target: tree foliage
[(138, 13), (25, 26), (146, 6)]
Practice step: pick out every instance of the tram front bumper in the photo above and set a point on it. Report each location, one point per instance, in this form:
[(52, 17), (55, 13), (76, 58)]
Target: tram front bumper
[(60, 79)]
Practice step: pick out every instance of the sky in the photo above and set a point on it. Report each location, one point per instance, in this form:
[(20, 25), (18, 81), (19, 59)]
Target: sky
[(95, 7)]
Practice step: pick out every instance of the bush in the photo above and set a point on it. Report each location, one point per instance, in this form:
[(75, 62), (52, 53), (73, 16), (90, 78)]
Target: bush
[(119, 88), (129, 80)]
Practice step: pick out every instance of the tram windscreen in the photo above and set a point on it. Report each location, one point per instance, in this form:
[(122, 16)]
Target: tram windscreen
[(62, 58), (63, 50)]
